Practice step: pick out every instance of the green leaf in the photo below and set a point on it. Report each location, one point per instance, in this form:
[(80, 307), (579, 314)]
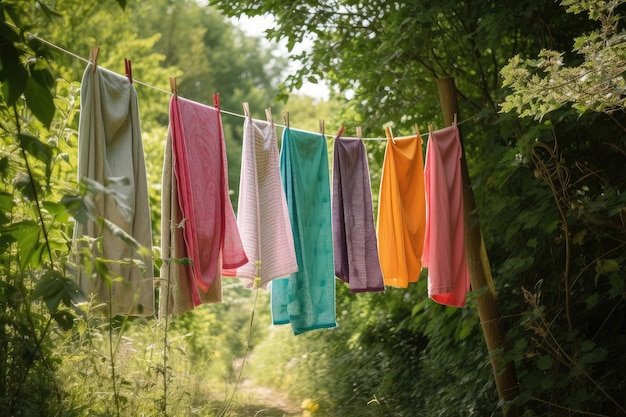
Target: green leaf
[(27, 236), (58, 210), (545, 362), (592, 300), (40, 101), (4, 166), (13, 72), (121, 234), (36, 148), (64, 318), (81, 208), (24, 185)]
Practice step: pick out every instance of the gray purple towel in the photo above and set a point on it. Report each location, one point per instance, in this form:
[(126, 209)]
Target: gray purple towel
[(354, 236)]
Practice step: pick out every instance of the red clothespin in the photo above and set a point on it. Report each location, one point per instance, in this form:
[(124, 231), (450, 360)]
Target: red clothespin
[(94, 51), (129, 70), (216, 101), (340, 132)]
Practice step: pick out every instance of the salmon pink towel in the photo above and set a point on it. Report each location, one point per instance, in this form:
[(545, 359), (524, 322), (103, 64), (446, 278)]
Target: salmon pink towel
[(210, 229), (176, 295), (262, 214), (444, 249), (354, 235), (402, 211), (307, 298)]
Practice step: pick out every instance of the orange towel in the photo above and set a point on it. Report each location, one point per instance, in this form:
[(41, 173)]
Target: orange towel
[(401, 211)]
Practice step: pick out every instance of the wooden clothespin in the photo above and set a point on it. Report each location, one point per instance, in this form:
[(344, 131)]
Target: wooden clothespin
[(173, 86), (340, 132), (246, 109), (359, 133), (268, 115), (430, 129), (94, 51), (286, 118), (322, 127), (389, 134), (417, 132), (454, 119), (129, 70)]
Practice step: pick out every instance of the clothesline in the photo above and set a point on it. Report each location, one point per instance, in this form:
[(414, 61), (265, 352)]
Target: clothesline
[(85, 60)]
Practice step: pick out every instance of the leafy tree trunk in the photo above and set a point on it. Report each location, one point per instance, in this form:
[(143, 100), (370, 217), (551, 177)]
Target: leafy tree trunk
[(480, 271)]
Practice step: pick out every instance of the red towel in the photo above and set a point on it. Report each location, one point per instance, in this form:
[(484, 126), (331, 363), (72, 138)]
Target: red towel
[(210, 230), (444, 245)]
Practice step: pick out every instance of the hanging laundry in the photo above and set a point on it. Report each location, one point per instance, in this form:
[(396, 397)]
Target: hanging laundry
[(354, 235), (110, 152), (306, 299), (210, 231), (176, 295), (444, 249), (262, 214), (401, 211)]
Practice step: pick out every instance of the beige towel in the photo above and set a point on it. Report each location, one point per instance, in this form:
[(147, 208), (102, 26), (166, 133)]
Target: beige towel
[(176, 295), (110, 152)]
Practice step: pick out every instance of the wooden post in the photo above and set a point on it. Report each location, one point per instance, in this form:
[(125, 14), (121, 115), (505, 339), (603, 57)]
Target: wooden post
[(479, 270)]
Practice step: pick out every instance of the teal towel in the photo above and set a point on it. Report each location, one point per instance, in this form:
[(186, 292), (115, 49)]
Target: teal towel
[(306, 299)]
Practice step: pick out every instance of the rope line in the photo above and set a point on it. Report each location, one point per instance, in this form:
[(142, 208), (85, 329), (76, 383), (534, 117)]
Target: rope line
[(85, 60)]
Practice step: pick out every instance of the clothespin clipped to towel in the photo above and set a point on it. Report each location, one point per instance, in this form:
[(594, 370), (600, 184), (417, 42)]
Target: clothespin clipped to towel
[(454, 119), (286, 118), (129, 70), (417, 133), (430, 129), (246, 109), (216, 101), (94, 51), (389, 134), (268, 115), (341, 129), (359, 133), (173, 86), (322, 127)]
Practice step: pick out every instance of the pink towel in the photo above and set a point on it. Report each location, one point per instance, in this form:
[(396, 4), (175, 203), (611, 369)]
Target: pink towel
[(444, 246), (210, 230), (262, 214), (176, 295)]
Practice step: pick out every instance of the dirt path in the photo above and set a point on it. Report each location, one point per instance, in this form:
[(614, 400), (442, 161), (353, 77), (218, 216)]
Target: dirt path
[(273, 403)]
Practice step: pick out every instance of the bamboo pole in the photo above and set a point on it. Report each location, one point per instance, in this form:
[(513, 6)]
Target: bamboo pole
[(479, 270)]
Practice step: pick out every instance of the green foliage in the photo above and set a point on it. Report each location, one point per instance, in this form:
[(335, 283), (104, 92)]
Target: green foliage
[(542, 85)]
